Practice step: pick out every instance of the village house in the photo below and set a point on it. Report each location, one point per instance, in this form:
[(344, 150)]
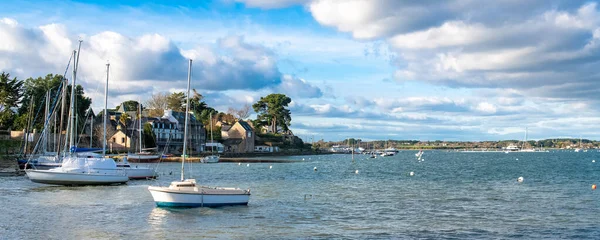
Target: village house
[(169, 131), (240, 138)]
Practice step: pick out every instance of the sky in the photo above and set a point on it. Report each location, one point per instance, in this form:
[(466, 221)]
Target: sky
[(456, 70)]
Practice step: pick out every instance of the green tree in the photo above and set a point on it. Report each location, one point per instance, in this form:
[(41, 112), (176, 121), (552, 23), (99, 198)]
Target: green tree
[(272, 111), (10, 94), (130, 105), (199, 108), (148, 136), (176, 101), (124, 119)]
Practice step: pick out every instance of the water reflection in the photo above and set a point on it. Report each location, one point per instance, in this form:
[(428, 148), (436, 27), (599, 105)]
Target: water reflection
[(157, 218)]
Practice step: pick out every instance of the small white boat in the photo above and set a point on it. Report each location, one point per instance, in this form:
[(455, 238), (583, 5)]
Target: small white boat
[(136, 172), (142, 157), (186, 193), (210, 159)]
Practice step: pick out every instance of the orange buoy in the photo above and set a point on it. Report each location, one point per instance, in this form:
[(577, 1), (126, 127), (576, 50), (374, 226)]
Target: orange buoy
[(593, 186)]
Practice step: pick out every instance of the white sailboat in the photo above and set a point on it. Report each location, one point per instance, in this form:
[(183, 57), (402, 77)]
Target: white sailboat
[(212, 158), (136, 171), (81, 168), (186, 193), (141, 156)]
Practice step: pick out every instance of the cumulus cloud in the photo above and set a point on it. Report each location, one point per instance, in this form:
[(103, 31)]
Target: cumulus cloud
[(144, 64), (542, 48), (298, 87)]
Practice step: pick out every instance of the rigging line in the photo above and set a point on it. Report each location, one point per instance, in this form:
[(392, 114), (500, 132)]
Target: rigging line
[(87, 114), (45, 129), (162, 154)]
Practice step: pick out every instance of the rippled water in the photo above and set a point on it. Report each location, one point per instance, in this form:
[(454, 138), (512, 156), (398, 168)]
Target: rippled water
[(451, 195)]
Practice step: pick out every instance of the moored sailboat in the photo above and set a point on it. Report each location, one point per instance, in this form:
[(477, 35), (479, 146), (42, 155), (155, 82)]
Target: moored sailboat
[(80, 168), (212, 158), (186, 192)]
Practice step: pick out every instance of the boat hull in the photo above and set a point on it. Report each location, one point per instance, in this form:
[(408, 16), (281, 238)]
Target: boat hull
[(140, 158), (139, 173), (163, 197), (72, 178), (210, 159)]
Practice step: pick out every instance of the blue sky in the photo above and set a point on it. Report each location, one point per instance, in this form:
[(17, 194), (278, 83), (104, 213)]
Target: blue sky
[(370, 69)]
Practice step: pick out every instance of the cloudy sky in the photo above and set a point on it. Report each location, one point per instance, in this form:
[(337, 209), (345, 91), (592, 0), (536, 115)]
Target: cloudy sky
[(371, 69)]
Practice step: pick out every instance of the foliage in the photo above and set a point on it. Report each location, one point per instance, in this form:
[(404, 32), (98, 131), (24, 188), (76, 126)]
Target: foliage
[(176, 101), (123, 119), (157, 103), (200, 109), (10, 94), (272, 111), (130, 105), (225, 117), (148, 136)]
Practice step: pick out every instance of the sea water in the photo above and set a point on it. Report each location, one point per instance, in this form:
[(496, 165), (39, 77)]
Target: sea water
[(450, 195)]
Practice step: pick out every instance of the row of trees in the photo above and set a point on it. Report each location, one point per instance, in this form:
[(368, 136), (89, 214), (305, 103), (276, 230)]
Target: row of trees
[(22, 102)]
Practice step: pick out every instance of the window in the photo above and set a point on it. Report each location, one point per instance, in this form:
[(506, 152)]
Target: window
[(249, 134), (114, 140), (122, 140)]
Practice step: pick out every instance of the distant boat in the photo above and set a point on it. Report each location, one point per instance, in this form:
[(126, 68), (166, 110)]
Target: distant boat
[(212, 158), (419, 154), (136, 172), (141, 156), (186, 193)]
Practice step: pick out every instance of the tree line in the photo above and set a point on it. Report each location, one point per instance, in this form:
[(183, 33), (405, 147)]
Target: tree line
[(22, 102)]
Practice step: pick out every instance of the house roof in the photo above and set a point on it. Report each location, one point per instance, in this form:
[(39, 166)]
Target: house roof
[(245, 125), (225, 127)]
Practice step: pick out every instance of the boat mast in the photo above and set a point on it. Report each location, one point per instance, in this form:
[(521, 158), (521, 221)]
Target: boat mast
[(187, 109), (73, 117), (140, 121), (73, 124), (62, 114), (47, 111), (104, 116), (91, 130), (211, 134)]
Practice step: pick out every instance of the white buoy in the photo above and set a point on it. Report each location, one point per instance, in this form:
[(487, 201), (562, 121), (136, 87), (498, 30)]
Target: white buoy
[(239, 163), (270, 167), (315, 169), (411, 174), (302, 159), (248, 165), (356, 171), (593, 160), (517, 159), (520, 179)]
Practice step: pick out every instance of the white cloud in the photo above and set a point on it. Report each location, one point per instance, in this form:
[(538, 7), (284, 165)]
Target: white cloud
[(144, 64), (486, 107)]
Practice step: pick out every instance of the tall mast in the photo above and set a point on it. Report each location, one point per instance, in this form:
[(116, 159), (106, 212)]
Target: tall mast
[(104, 116), (140, 121), (211, 134), (47, 111), (187, 110), (73, 117), (91, 130), (62, 114)]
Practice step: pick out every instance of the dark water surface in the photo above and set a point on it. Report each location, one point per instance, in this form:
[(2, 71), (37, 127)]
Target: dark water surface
[(451, 195)]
